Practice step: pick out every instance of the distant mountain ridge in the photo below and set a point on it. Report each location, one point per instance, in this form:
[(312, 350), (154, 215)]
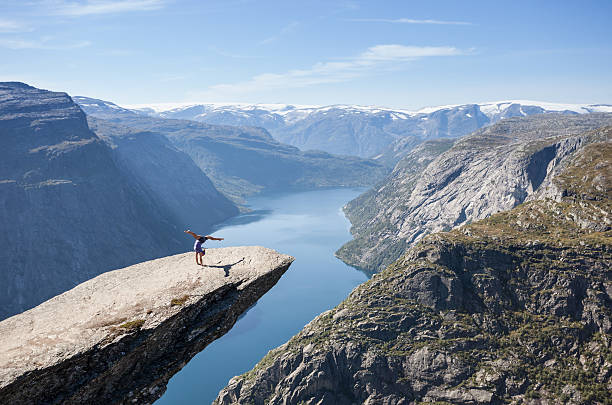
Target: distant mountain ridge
[(243, 160), (365, 131), (491, 108)]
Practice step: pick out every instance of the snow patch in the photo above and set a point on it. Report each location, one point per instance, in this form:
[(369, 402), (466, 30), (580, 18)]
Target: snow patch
[(291, 113)]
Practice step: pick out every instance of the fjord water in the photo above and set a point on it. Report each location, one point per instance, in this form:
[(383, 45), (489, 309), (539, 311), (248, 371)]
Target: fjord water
[(310, 226)]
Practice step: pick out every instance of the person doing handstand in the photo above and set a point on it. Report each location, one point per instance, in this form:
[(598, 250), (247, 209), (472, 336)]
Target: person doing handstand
[(199, 250)]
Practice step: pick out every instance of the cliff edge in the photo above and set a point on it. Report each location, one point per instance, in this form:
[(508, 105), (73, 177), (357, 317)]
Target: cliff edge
[(515, 308), (119, 337)]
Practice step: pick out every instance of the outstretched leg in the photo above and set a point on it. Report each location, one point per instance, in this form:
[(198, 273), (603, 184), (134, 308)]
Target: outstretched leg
[(195, 235)]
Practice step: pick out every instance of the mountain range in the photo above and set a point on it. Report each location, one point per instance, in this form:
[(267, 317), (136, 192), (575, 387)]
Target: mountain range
[(81, 195), (492, 250), (365, 131), (243, 160)]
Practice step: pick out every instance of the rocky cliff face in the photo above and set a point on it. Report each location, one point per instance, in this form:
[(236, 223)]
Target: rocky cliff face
[(119, 337), (244, 160), (166, 174), (511, 309), (433, 190), (67, 211)]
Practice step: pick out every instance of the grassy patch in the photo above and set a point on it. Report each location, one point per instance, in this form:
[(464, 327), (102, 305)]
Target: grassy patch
[(179, 301), (132, 325)]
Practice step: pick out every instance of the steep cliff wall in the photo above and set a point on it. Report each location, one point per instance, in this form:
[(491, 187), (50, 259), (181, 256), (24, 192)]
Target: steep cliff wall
[(167, 174), (515, 308), (492, 170), (119, 337), (67, 211)]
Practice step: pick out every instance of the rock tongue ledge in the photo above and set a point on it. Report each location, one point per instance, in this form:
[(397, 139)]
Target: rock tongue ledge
[(119, 337)]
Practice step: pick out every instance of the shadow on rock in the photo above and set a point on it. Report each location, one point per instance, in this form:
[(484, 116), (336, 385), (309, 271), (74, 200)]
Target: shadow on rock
[(226, 267)]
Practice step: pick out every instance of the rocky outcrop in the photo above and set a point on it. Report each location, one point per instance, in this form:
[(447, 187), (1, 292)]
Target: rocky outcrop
[(67, 211), (433, 190), (515, 308), (119, 337), (242, 161)]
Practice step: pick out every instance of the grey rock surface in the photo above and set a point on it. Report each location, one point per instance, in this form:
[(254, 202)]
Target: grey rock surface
[(433, 190), (67, 211), (119, 337), (515, 308)]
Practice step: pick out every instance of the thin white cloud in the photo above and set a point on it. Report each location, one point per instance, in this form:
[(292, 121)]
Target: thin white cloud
[(284, 31), (375, 58), (401, 52), (226, 54), (42, 44), (93, 7), (409, 21), (10, 26)]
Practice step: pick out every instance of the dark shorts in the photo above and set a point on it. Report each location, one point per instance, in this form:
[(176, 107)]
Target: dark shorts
[(200, 251)]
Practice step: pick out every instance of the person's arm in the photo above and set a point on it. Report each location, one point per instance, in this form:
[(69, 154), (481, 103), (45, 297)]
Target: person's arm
[(213, 238), (195, 235)]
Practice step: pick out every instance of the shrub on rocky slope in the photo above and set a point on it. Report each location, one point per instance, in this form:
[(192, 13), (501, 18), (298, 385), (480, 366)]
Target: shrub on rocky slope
[(514, 308)]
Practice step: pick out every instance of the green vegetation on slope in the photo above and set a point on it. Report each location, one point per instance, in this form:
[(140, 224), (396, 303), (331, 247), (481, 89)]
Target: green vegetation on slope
[(514, 308)]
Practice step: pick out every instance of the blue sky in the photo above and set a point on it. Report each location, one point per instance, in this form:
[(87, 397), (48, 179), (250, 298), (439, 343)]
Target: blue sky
[(404, 54)]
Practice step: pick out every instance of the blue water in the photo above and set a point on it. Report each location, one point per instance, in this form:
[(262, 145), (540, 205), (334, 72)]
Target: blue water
[(309, 226)]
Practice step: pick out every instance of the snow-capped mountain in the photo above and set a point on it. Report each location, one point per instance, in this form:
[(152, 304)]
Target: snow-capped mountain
[(365, 131), (103, 109)]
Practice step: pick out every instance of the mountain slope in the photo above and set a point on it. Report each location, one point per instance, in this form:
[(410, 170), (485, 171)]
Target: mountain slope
[(166, 174), (510, 309), (360, 130), (67, 212), (245, 160), (490, 171)]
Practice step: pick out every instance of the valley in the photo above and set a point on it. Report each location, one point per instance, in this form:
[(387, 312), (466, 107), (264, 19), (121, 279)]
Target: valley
[(510, 309), (483, 249), (305, 203), (92, 194)]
